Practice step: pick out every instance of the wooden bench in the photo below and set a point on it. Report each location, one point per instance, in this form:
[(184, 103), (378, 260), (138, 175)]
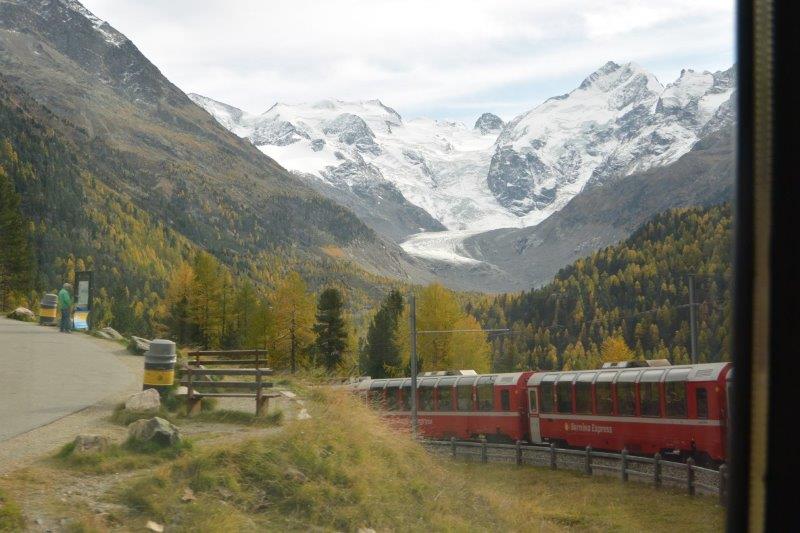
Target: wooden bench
[(195, 378)]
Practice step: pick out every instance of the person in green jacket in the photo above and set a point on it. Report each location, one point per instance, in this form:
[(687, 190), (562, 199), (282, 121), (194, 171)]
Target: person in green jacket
[(65, 306)]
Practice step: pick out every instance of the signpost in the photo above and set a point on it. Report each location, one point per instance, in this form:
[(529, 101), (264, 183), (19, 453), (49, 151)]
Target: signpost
[(84, 282)]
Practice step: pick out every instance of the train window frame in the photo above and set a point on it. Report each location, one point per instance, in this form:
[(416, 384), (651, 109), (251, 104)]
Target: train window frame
[(626, 378), (676, 378), (533, 401), (604, 378), (465, 383), (565, 381), (428, 385), (549, 406), (445, 384), (584, 379), (649, 382), (482, 385), (697, 392)]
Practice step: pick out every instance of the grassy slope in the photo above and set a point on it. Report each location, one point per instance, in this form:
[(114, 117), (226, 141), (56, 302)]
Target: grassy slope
[(345, 469)]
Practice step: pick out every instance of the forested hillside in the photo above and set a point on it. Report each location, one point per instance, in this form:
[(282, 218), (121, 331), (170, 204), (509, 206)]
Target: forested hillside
[(636, 291), (72, 193)]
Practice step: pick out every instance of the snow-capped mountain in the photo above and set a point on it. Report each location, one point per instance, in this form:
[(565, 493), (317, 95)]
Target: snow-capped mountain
[(620, 120), (440, 166)]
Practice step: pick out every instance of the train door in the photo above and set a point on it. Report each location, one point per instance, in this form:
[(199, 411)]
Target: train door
[(533, 405)]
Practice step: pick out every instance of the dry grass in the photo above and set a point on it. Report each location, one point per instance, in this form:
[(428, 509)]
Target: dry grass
[(11, 518), (344, 469)]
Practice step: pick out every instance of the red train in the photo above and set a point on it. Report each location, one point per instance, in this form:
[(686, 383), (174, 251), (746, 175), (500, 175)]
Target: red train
[(668, 409)]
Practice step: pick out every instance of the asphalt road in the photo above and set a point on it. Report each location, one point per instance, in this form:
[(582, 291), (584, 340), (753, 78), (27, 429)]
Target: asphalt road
[(46, 375)]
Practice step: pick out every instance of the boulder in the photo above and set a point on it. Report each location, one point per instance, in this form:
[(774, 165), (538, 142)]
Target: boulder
[(111, 332), (88, 444), (147, 400), (139, 345), (22, 313), (102, 335), (156, 430)]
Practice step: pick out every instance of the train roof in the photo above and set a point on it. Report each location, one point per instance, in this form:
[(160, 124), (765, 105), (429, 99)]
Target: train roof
[(505, 378), (698, 372)]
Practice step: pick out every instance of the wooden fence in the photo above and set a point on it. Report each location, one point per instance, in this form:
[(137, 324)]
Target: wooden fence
[(655, 470)]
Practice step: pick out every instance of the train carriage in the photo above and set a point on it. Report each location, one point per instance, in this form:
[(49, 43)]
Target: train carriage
[(465, 407), (671, 409)]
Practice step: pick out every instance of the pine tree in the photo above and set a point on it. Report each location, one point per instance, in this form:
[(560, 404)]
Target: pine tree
[(381, 352), (330, 329)]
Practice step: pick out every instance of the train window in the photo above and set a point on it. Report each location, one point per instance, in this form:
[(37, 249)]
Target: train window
[(426, 387), (505, 400), (534, 405), (392, 393), (405, 403), (583, 393), (650, 393), (675, 393), (464, 393), (485, 393), (626, 393), (445, 388), (564, 393), (701, 398), (602, 393), (546, 390), (376, 393)]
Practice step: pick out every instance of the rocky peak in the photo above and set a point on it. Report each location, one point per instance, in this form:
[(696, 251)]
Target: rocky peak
[(489, 123)]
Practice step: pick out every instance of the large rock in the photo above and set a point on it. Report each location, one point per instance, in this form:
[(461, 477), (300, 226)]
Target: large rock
[(139, 345), (22, 313), (156, 430), (111, 332), (88, 444), (147, 400)]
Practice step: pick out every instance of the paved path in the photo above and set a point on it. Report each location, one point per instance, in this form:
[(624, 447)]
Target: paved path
[(46, 375)]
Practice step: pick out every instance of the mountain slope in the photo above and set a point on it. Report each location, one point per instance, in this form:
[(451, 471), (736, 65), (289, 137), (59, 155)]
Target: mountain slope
[(167, 154), (636, 289)]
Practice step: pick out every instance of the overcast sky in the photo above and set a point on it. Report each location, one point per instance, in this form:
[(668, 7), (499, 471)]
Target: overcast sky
[(442, 59)]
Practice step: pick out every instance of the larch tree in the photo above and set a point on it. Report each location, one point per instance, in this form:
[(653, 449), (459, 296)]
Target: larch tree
[(177, 304), (206, 299), (438, 310), (292, 319), (615, 349)]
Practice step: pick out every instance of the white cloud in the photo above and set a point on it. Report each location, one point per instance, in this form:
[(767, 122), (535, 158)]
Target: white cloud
[(428, 56)]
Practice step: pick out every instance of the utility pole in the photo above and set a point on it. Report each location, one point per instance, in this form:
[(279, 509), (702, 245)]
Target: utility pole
[(692, 320), (413, 323)]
